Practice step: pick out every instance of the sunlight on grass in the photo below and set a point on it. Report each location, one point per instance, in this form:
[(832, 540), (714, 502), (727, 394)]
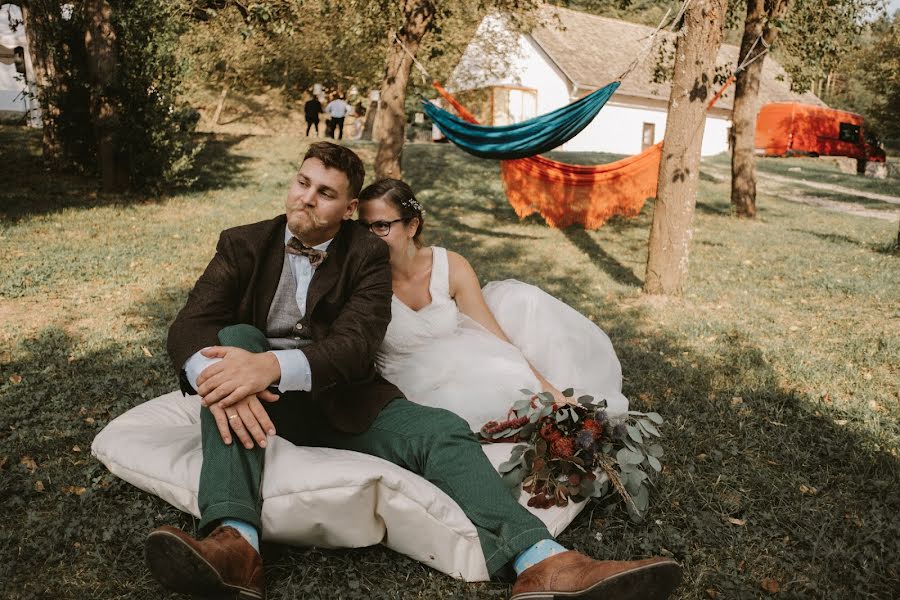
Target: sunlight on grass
[(777, 373)]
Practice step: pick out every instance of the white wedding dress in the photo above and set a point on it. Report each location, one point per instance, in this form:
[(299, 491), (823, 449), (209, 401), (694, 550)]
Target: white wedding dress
[(438, 356)]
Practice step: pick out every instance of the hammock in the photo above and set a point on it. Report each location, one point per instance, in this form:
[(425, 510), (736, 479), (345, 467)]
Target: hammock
[(527, 138), (565, 194)]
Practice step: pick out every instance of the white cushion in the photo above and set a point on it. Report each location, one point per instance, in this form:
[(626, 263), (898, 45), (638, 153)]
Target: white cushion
[(311, 496)]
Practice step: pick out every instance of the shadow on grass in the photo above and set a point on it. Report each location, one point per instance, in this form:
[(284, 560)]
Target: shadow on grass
[(759, 482), (616, 270), (36, 191), (811, 503)]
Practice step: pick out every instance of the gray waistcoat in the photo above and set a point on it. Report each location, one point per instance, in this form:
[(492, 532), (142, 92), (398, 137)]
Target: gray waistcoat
[(284, 326)]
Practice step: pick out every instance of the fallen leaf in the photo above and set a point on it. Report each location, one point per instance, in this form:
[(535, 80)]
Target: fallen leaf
[(841, 422), (740, 522), (15, 378), (76, 449), (74, 489), (701, 457), (712, 593), (147, 352), (809, 490), (770, 585), (793, 328), (736, 400), (29, 464), (39, 486), (89, 420)]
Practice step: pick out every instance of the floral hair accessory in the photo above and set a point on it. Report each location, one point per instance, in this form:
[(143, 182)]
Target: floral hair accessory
[(413, 204)]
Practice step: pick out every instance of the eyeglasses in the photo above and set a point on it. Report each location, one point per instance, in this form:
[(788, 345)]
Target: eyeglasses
[(381, 228)]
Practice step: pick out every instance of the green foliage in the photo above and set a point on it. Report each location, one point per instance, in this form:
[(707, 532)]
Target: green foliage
[(153, 131), (869, 80)]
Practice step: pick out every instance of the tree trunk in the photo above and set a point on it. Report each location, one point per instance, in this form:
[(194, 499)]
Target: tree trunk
[(390, 122), (219, 106), (36, 16), (100, 42), (759, 33), (692, 87)]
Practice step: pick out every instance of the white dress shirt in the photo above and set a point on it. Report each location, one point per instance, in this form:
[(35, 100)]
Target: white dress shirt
[(295, 370), (337, 108)]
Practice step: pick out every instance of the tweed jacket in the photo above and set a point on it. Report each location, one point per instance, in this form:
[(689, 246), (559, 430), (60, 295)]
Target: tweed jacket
[(348, 309)]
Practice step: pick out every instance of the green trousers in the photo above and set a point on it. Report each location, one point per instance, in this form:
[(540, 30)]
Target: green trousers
[(431, 442)]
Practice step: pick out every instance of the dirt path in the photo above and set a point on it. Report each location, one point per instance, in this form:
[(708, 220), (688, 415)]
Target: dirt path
[(777, 186), (831, 188)]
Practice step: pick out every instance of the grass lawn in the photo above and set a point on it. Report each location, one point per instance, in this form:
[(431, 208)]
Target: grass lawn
[(777, 374)]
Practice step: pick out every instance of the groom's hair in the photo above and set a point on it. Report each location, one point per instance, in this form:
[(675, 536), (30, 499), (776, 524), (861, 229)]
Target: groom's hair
[(342, 159)]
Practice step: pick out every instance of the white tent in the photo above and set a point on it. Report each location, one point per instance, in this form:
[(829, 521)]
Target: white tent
[(17, 90)]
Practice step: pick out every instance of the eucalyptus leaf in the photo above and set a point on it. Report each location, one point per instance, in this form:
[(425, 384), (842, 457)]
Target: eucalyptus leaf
[(518, 451), (641, 499), (521, 404), (655, 418), (528, 393), (546, 397), (628, 457), (568, 392), (585, 399), (654, 463), (513, 478), (506, 467), (649, 427), (634, 434), (655, 450)]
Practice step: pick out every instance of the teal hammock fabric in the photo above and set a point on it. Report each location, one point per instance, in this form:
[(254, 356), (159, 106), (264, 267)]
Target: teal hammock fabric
[(528, 138)]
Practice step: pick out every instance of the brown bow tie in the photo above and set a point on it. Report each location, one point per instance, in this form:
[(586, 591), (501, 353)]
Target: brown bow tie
[(316, 257)]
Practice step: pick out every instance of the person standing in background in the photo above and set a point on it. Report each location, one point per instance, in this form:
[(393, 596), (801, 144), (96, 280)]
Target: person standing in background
[(311, 111), (337, 109)]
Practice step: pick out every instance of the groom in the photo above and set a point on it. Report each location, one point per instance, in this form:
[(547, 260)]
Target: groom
[(279, 335)]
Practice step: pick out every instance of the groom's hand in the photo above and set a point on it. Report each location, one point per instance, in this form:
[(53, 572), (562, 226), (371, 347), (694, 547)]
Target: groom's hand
[(238, 375), (247, 418)]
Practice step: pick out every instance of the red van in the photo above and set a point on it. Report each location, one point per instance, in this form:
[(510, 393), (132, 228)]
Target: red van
[(792, 129)]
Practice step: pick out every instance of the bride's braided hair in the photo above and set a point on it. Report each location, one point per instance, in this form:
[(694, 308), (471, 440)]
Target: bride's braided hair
[(400, 195)]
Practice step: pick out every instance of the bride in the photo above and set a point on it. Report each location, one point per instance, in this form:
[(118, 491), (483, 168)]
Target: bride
[(452, 345)]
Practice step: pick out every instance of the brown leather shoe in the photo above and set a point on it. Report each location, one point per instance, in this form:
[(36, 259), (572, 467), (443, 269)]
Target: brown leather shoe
[(570, 575), (222, 566)]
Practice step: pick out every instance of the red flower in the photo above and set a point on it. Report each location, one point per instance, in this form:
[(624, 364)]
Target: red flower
[(550, 433), (595, 427), (562, 448)]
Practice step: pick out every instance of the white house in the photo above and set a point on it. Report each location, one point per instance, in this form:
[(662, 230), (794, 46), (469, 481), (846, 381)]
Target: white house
[(506, 77), (17, 87)]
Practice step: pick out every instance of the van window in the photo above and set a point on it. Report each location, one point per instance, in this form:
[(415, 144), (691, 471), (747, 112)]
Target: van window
[(849, 133)]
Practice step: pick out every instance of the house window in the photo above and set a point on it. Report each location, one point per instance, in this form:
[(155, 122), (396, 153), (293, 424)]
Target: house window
[(849, 133), (513, 105), (648, 135)]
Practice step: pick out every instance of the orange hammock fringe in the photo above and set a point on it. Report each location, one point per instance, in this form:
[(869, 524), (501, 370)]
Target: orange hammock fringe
[(565, 194)]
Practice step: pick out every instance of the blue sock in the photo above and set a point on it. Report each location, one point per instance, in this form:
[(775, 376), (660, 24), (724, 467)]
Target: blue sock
[(532, 556), (245, 529)]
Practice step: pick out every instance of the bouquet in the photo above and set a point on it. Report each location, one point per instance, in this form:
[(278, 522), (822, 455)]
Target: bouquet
[(567, 445)]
